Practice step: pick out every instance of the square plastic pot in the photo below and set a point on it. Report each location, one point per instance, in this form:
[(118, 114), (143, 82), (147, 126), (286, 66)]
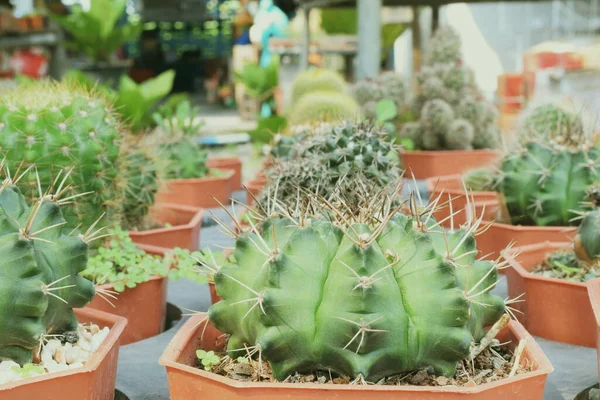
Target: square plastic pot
[(186, 382), (428, 164), (453, 198), (94, 381), (144, 307), (229, 163), (200, 192), (555, 309), (593, 287), (184, 231)]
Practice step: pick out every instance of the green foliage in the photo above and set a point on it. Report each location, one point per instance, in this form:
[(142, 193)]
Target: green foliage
[(267, 128), (186, 160), (549, 121), (323, 106), (259, 81), (208, 359), (386, 110), (28, 370), (316, 80), (357, 290), (339, 21), (95, 31), (180, 119), (56, 127), (40, 264)]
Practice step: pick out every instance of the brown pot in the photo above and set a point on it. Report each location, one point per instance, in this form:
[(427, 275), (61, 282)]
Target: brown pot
[(36, 23), (428, 164), (555, 309), (200, 192), (184, 233), (214, 297), (144, 306), (94, 381), (453, 198), (253, 188), (593, 287), (188, 382), (233, 163)]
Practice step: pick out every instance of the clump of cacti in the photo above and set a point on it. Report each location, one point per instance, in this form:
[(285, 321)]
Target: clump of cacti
[(56, 127), (356, 289), (41, 259), (453, 114), (387, 86), (323, 80), (323, 106), (545, 179), (329, 159)]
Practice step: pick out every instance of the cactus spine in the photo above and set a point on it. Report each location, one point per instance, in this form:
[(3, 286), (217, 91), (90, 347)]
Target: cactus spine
[(383, 293), (39, 269)]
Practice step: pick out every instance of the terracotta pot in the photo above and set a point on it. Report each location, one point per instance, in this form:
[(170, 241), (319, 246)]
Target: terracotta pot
[(188, 382), (184, 232), (254, 187), (427, 164), (200, 192), (229, 163), (214, 297), (94, 381), (593, 287), (36, 23), (453, 196), (555, 309), (144, 306), (498, 236)]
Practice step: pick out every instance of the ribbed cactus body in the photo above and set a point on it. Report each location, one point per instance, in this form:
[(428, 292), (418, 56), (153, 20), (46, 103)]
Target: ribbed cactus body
[(40, 262), (315, 298), (543, 184), (58, 128), (323, 80), (587, 240), (322, 105)]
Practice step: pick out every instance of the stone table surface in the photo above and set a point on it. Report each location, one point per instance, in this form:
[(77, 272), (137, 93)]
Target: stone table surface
[(140, 377)]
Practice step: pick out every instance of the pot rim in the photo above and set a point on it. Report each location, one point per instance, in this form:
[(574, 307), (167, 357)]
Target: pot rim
[(433, 182), (189, 329), (448, 153), (516, 265), (228, 174), (116, 324), (151, 279), (194, 221), (524, 228)]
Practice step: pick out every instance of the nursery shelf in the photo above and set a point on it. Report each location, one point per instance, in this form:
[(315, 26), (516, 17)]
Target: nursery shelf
[(28, 40)]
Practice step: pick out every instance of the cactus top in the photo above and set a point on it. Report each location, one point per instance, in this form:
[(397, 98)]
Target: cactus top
[(40, 262), (360, 291)]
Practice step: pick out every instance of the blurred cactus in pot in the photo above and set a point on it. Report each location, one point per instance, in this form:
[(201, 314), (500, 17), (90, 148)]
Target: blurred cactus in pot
[(389, 85), (382, 293), (41, 261), (453, 114)]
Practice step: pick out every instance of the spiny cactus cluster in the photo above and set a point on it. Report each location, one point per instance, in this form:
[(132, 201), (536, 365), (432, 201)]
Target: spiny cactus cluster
[(587, 240), (40, 262), (389, 85), (321, 95), (549, 120), (358, 290), (330, 159), (453, 115), (55, 126), (545, 179)]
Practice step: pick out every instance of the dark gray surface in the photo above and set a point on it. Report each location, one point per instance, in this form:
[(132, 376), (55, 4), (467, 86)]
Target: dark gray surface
[(140, 377)]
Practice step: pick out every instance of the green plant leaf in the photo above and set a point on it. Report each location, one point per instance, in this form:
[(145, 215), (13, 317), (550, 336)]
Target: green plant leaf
[(386, 110)]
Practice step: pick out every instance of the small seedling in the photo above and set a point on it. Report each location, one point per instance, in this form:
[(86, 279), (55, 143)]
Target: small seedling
[(28, 370), (208, 359)]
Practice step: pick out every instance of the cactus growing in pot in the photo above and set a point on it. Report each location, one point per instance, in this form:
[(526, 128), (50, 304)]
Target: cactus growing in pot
[(368, 303), (587, 240), (38, 297), (389, 85), (545, 178)]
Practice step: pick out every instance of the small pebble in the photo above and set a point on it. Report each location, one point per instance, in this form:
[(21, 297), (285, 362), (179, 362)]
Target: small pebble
[(73, 355), (75, 365), (94, 329), (84, 344), (59, 355)]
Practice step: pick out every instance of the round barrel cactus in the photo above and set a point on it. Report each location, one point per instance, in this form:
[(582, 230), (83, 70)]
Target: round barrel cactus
[(323, 106), (40, 262), (369, 294), (56, 127), (587, 240), (324, 80)]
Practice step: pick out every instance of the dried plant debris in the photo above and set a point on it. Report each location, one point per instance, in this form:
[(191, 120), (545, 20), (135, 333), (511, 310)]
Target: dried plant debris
[(564, 264), (494, 363)]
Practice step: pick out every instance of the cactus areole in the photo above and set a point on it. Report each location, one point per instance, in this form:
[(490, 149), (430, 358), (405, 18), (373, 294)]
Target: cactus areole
[(40, 262), (370, 295)]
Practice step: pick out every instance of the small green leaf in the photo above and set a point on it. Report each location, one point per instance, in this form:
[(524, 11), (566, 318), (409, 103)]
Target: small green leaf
[(387, 110)]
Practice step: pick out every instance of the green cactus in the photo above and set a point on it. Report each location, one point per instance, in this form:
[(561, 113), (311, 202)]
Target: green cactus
[(482, 179), (453, 113), (56, 128), (330, 159), (389, 85), (545, 181), (185, 160), (323, 106), (323, 80), (39, 275), (549, 120), (587, 241), (381, 294)]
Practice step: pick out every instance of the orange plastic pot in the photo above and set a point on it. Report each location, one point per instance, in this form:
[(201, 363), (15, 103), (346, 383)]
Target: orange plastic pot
[(229, 163), (593, 287), (453, 199), (189, 383), (428, 164), (555, 309), (200, 192), (94, 381), (184, 231), (253, 189), (144, 306), (214, 297), (36, 23)]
